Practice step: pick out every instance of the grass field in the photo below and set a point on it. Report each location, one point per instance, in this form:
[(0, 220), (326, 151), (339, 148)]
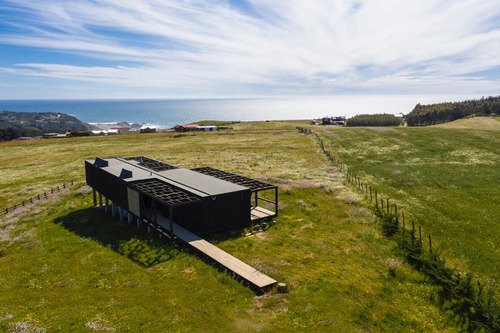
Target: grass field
[(67, 267), (446, 178)]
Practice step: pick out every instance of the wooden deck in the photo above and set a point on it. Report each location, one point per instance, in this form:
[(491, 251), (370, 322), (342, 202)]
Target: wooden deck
[(233, 264), (259, 213)]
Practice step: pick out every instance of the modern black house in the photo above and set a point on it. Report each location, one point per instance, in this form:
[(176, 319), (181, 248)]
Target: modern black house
[(201, 200)]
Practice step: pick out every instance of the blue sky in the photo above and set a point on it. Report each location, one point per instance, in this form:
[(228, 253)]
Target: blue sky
[(232, 48)]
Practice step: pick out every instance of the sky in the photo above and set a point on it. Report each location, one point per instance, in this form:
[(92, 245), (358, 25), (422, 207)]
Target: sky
[(246, 48)]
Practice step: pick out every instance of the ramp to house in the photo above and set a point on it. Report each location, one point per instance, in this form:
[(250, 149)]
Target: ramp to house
[(233, 264)]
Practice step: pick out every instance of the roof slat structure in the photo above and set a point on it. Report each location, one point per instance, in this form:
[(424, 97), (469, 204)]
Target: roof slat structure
[(252, 184), (168, 194), (151, 164)]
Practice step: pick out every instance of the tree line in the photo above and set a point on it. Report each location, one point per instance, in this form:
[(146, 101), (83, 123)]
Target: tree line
[(423, 115), (11, 133), (382, 119)]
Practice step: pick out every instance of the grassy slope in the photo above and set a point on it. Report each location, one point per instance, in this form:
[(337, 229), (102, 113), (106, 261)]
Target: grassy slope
[(446, 177), (71, 268)]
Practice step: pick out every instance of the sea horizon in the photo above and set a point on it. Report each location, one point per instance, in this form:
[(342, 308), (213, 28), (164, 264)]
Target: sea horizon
[(168, 112)]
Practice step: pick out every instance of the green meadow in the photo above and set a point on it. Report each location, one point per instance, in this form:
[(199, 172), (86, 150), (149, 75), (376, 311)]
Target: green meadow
[(65, 266), (445, 178)]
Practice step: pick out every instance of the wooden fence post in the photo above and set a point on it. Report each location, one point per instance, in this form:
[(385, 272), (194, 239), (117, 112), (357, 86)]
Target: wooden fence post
[(388, 206), (430, 244), (403, 214), (376, 200), (382, 203), (396, 212)]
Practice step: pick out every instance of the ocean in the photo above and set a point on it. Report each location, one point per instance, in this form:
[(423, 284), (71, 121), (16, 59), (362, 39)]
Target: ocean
[(166, 113)]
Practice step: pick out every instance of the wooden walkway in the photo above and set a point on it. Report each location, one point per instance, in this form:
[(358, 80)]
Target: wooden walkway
[(246, 272), (258, 213)]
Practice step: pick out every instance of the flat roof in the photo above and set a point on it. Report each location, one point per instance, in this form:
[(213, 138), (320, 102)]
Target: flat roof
[(196, 183), (201, 182)]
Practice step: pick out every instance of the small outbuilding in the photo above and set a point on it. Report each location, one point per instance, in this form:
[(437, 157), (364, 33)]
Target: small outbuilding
[(187, 128), (147, 130), (209, 128)]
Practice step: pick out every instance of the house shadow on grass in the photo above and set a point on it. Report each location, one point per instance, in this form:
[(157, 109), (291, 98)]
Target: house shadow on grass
[(126, 239)]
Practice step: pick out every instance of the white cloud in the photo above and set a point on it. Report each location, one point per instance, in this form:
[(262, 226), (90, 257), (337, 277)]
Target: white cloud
[(293, 46)]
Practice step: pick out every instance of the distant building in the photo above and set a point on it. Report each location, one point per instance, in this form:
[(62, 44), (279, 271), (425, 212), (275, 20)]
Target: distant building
[(112, 131), (333, 121), (194, 127), (53, 135), (187, 128), (147, 130), (97, 132), (121, 129), (208, 128)]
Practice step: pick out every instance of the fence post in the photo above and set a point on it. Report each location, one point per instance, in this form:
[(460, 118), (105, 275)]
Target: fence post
[(396, 212), (388, 206), (72, 183), (376, 200), (430, 244), (403, 214), (382, 203), (64, 185), (420, 235)]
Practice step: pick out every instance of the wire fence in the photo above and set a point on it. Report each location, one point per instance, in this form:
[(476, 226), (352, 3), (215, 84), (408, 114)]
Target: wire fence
[(477, 306), (35, 198)]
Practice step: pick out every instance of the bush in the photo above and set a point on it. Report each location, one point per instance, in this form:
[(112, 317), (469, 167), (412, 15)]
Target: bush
[(373, 120)]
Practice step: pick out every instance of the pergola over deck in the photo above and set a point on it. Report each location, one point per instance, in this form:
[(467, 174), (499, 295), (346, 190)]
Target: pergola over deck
[(255, 186)]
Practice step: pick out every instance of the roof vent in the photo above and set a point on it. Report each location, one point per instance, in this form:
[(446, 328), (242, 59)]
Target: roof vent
[(99, 162), (125, 174)]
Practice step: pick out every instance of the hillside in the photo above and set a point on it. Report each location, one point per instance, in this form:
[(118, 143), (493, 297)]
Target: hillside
[(446, 179), (59, 254), (424, 115), (41, 121)]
